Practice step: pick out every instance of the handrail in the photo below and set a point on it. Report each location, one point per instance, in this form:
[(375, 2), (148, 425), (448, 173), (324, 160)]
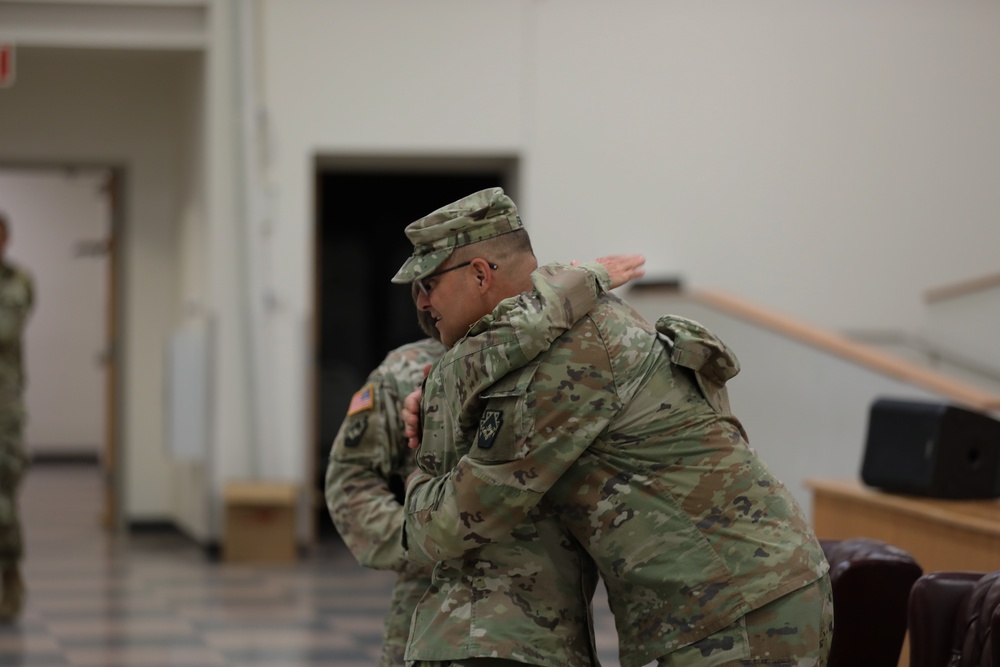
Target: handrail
[(962, 288), (841, 346), (932, 352)]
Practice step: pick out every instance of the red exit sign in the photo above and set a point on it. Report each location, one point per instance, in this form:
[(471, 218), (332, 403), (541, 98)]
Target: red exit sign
[(6, 65)]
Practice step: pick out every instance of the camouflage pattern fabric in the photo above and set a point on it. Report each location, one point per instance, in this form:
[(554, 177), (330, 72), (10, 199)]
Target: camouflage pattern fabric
[(796, 630), (623, 431), (369, 450), (526, 599), (480, 216), (517, 330), (16, 301)]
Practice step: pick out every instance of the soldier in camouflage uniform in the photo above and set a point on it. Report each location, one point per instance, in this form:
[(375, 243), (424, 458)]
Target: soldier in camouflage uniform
[(526, 601), (623, 431), (16, 300), (369, 455), (370, 450)]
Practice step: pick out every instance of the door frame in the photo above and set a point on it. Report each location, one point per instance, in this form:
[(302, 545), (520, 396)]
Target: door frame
[(111, 454), (506, 163)]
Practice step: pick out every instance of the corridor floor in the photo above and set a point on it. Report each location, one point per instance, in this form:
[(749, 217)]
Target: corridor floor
[(154, 600)]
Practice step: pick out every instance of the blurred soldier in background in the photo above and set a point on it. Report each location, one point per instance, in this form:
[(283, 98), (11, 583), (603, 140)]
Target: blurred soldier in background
[(16, 300), (369, 460)]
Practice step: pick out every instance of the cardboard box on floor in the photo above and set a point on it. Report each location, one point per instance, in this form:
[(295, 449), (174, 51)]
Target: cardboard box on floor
[(260, 522)]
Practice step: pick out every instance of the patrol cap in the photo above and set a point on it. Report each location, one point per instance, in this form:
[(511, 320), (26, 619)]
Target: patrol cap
[(474, 218)]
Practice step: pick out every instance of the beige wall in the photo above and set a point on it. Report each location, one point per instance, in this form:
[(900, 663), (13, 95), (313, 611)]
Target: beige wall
[(805, 156), (830, 162), (122, 110)]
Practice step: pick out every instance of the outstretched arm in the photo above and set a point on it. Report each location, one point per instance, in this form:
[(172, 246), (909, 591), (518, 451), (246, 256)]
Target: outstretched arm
[(621, 268)]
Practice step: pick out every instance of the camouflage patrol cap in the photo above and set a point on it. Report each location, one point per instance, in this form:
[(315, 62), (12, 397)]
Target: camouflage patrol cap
[(477, 217)]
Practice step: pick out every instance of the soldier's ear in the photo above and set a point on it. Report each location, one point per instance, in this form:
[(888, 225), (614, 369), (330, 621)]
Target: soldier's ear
[(482, 271)]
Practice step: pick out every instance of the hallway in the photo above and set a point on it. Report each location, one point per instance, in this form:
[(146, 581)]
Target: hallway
[(156, 601)]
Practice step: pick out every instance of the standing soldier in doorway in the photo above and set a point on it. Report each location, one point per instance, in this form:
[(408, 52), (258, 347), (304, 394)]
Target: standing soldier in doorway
[(16, 300)]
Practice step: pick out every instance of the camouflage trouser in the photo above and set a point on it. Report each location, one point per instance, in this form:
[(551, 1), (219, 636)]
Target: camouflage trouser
[(409, 588), (13, 462), (793, 631)]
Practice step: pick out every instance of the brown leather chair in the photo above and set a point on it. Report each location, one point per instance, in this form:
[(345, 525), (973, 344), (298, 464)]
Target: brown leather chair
[(871, 583), (955, 620)]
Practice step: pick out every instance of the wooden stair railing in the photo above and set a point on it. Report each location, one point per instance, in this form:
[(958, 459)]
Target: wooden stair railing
[(836, 344), (962, 288)]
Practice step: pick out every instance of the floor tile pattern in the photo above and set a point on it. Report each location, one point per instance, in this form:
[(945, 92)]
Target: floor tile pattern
[(155, 600)]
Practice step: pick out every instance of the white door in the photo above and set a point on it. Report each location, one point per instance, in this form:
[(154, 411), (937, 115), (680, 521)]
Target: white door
[(60, 225)]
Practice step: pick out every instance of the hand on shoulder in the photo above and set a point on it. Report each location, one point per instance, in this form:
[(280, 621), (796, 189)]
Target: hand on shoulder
[(621, 268)]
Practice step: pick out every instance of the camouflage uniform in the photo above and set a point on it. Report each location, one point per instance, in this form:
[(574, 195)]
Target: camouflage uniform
[(369, 450), (623, 431), (527, 599), (16, 301), (630, 441)]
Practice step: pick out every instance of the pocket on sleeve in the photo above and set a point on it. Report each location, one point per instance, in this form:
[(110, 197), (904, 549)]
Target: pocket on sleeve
[(504, 424)]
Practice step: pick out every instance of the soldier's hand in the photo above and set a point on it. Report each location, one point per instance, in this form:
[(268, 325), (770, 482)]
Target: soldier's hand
[(411, 418), (623, 268)]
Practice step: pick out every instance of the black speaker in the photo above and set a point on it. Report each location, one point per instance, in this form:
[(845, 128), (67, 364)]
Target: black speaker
[(932, 449)]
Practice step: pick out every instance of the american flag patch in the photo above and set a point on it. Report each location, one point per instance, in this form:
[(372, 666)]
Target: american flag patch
[(361, 400)]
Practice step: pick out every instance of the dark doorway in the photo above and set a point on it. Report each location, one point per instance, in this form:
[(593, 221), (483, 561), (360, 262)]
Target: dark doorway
[(360, 314)]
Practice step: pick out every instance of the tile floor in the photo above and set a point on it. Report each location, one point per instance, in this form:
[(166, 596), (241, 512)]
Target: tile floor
[(156, 600)]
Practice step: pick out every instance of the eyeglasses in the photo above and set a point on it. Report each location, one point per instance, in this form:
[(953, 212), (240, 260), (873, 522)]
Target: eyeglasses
[(425, 287)]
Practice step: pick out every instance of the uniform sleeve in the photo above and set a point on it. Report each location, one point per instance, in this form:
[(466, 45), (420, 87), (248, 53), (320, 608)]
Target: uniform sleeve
[(512, 336), (364, 509), (561, 296), (536, 422)]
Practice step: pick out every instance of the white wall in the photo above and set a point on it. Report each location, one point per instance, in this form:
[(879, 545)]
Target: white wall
[(51, 212), (189, 489), (829, 161), (113, 108), (967, 326), (435, 79), (806, 156)]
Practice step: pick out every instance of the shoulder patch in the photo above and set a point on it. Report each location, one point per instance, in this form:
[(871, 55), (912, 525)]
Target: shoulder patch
[(489, 427), (362, 400), (355, 430)]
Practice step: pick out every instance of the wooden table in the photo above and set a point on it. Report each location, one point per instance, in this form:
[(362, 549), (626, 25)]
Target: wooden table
[(940, 534)]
